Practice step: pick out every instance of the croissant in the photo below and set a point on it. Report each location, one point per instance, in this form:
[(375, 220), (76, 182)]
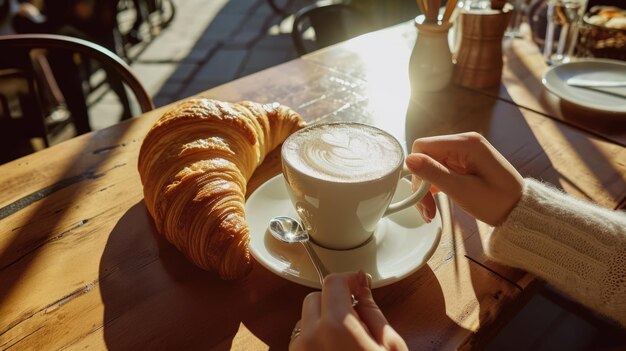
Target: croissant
[(194, 165)]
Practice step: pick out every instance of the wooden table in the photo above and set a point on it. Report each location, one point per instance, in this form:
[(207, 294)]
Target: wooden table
[(81, 266)]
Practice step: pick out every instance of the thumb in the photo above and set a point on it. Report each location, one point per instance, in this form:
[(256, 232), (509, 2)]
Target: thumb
[(371, 315), (443, 178)]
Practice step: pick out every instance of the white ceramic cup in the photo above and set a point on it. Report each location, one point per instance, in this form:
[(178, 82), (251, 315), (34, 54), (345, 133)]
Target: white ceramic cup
[(341, 178)]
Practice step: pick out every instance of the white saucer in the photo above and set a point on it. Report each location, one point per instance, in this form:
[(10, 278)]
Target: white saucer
[(402, 243), (556, 77)]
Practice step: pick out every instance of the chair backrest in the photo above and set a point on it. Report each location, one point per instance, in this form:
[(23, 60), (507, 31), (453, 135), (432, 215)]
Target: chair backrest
[(337, 20), (331, 22), (22, 115)]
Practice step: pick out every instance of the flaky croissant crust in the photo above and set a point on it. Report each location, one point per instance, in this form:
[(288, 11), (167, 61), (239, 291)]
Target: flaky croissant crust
[(194, 165)]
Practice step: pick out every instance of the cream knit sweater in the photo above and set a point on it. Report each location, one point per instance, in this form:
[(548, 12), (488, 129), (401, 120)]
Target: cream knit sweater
[(577, 247)]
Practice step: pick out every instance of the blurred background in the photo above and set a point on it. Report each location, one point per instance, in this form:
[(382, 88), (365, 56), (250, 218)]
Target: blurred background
[(178, 48)]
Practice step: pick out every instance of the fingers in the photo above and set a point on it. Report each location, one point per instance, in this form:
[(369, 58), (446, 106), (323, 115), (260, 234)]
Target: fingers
[(434, 172), (336, 293), (311, 309), (470, 171), (463, 153), (328, 319), (294, 338), (374, 319), (427, 207), (445, 148), (368, 310), (306, 327)]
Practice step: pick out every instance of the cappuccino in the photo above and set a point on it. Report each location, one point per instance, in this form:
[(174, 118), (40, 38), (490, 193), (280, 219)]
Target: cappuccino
[(343, 152), (341, 178)]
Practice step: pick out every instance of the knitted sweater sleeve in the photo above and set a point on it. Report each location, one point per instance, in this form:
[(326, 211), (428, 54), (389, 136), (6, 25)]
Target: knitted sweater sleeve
[(577, 247)]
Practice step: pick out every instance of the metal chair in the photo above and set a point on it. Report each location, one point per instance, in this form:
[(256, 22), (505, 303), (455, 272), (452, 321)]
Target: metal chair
[(146, 11), (26, 82), (331, 21), (337, 20)]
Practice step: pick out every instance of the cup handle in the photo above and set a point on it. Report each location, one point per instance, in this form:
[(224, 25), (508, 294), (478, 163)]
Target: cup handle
[(410, 200)]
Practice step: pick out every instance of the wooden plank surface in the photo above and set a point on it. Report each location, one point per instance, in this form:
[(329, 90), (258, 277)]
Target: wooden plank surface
[(521, 76), (521, 84), (81, 265)]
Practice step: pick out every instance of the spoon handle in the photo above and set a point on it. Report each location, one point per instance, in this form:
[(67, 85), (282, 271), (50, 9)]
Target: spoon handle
[(317, 263)]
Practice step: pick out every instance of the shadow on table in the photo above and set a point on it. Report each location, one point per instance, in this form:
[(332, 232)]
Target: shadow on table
[(458, 110), (48, 207), (154, 298)]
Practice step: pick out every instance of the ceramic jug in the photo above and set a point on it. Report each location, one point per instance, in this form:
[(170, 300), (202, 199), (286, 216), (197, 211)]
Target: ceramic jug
[(430, 66)]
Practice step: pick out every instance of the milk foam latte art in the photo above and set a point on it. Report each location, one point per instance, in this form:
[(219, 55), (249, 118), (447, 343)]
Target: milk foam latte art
[(343, 152)]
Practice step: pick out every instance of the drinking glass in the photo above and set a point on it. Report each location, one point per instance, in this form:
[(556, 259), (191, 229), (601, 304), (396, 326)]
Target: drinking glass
[(564, 18), (520, 8)]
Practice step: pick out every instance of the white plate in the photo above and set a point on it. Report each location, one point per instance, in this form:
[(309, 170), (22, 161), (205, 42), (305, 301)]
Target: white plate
[(402, 242), (555, 80)]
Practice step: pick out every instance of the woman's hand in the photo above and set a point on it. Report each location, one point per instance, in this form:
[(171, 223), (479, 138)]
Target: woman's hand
[(470, 171), (330, 322)]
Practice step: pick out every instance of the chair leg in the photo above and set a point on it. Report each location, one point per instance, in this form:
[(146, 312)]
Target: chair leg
[(72, 89), (276, 8), (118, 87), (166, 22)]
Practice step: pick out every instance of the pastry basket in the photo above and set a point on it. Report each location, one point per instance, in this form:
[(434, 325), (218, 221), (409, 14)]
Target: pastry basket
[(600, 41)]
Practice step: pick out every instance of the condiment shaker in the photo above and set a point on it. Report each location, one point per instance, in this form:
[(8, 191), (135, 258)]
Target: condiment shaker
[(479, 59)]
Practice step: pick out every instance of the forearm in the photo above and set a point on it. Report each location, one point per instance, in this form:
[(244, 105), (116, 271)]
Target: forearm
[(577, 247)]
